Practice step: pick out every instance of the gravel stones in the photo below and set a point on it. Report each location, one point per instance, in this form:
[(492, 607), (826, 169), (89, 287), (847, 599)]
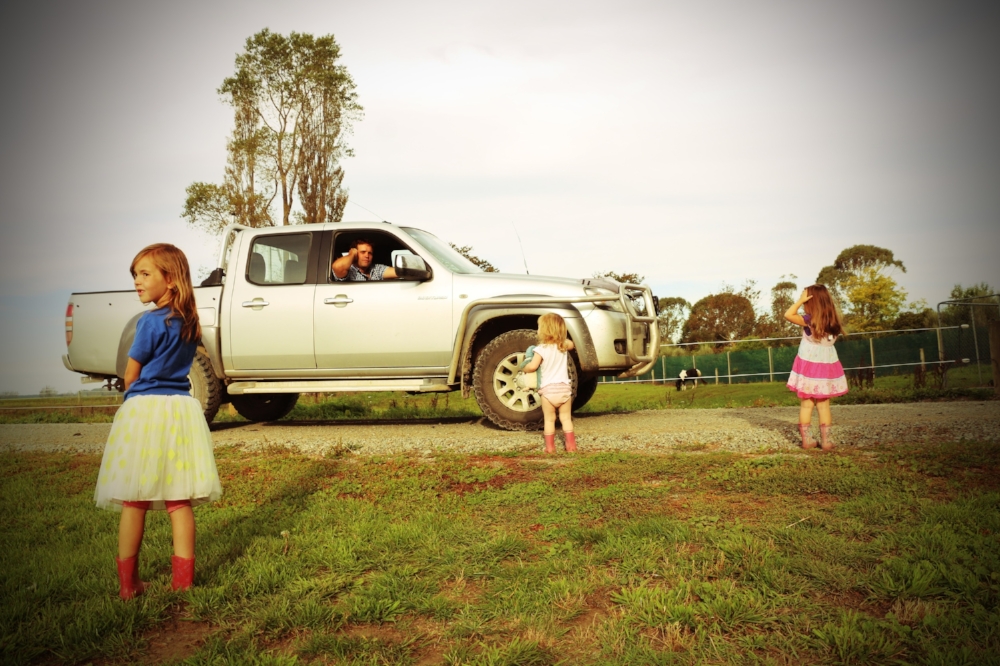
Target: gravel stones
[(738, 430)]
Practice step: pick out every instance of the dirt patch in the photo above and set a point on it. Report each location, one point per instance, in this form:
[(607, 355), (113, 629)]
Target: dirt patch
[(513, 473), (175, 640), (461, 590)]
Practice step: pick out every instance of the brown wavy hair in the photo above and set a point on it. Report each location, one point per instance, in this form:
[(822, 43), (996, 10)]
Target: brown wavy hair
[(174, 265), (824, 317), (552, 331)]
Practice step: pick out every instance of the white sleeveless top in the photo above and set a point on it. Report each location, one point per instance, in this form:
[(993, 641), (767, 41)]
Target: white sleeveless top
[(554, 370)]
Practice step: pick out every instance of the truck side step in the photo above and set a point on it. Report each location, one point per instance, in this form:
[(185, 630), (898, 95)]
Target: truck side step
[(412, 385)]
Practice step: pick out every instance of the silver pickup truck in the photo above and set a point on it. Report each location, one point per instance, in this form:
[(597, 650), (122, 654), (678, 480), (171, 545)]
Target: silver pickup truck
[(276, 324)]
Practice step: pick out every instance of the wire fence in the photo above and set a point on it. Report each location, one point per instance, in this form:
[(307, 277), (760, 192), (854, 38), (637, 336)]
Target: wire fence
[(947, 356)]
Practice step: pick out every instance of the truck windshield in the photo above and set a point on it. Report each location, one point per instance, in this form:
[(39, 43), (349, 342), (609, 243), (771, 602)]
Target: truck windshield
[(443, 252)]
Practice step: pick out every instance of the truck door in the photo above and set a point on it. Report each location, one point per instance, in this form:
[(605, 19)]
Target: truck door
[(271, 306), (384, 324)]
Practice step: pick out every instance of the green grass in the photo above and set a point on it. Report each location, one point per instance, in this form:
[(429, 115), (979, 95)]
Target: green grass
[(610, 397), (877, 556)]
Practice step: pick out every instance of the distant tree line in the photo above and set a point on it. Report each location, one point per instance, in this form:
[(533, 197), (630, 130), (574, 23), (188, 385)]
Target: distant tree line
[(861, 281)]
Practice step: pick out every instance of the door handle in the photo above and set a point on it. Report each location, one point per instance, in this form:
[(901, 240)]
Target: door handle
[(340, 300), (256, 303)]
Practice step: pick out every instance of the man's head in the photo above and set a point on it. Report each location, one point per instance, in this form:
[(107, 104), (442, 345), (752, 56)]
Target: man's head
[(365, 252)]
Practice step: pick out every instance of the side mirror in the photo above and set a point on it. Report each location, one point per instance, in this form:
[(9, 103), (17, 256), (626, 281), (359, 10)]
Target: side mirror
[(411, 267)]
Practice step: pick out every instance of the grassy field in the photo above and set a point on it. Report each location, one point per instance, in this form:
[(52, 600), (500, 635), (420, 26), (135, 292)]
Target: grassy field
[(877, 556), (622, 397)]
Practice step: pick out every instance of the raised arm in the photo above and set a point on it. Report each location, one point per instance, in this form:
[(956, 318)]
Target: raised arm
[(342, 264), (792, 313)]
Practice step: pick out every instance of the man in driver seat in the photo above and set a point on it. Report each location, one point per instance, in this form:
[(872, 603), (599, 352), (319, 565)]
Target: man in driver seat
[(357, 266)]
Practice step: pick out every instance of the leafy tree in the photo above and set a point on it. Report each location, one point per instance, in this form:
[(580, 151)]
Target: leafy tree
[(723, 317), (854, 262), (924, 318), (874, 300), (774, 325), (624, 278), (48, 392), (672, 314), (862, 283), (466, 251), (292, 105), (954, 314)]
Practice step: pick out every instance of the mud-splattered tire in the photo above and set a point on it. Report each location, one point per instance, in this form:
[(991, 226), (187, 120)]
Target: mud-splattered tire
[(205, 386), (585, 389), (493, 382), (259, 407)]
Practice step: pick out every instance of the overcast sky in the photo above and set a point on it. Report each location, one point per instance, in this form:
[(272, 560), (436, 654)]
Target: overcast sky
[(696, 144)]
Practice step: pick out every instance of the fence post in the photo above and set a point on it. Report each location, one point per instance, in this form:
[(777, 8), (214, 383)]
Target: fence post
[(923, 361), (716, 375), (995, 355), (871, 349), (729, 370), (770, 365), (663, 370), (940, 341), (975, 341)]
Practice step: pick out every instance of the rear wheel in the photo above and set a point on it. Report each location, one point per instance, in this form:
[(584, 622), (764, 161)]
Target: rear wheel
[(498, 396), (259, 407), (205, 386)]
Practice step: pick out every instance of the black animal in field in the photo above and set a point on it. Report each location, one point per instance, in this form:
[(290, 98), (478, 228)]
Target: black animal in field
[(688, 378)]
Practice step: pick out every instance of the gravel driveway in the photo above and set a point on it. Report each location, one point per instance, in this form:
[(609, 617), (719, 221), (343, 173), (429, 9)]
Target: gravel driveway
[(747, 429)]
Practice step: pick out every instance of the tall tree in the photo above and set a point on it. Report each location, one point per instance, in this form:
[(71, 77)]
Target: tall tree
[(855, 261), (783, 294), (874, 300), (466, 251), (979, 296), (862, 283), (723, 317), (673, 312), (292, 106)]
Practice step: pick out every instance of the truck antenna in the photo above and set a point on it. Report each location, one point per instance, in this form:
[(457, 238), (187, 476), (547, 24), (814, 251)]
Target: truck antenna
[(526, 272), (367, 209)]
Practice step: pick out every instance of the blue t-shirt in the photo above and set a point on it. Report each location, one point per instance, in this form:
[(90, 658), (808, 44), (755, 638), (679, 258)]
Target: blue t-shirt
[(164, 355)]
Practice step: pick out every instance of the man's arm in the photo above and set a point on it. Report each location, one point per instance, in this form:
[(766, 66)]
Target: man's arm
[(342, 264)]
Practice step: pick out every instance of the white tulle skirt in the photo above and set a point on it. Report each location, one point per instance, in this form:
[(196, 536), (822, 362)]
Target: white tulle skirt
[(159, 448)]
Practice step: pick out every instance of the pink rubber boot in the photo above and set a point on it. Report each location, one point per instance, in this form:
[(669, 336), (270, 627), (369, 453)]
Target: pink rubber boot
[(183, 569), (550, 443), (570, 441), (129, 585), (824, 433), (807, 441)]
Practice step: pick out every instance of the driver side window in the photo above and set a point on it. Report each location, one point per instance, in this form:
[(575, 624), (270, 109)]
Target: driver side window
[(385, 247)]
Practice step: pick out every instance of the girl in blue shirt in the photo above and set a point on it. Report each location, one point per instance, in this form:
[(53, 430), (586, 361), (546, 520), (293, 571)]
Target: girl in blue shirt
[(159, 452)]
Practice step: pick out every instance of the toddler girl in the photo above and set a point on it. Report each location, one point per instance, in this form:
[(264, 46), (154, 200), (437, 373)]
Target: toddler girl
[(554, 387), (159, 452), (817, 374)]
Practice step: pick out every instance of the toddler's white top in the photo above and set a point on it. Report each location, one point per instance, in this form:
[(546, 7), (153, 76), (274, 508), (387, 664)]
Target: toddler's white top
[(554, 370)]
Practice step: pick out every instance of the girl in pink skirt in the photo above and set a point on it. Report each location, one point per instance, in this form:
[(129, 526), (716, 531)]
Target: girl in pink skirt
[(817, 374)]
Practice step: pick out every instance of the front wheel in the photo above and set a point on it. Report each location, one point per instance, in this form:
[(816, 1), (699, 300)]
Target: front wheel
[(498, 396), (258, 407), (205, 386)]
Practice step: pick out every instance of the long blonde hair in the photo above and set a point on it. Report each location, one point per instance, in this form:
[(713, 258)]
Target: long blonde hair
[(170, 261), (824, 318), (552, 331)]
